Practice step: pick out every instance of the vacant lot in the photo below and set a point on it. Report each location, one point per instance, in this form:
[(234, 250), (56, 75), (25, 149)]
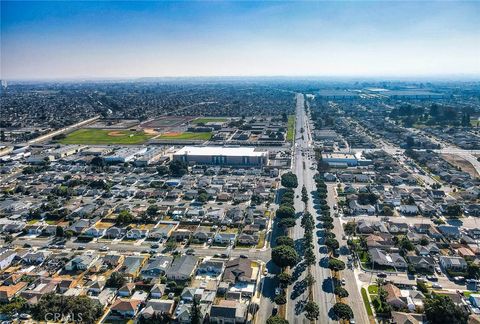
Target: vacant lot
[(460, 162), (205, 136), (204, 120), (105, 136)]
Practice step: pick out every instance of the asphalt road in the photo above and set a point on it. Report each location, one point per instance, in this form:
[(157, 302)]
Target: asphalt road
[(298, 293)]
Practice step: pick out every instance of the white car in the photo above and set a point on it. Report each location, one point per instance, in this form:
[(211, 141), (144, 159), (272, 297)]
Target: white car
[(104, 248), (436, 285)]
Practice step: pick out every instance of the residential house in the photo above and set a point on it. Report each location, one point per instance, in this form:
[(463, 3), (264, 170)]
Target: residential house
[(451, 232), (37, 257), (127, 289), (239, 270), (115, 232), (422, 263), (224, 238), (136, 234), (228, 311), (248, 239), (182, 268), (157, 291), (156, 307), (81, 262), (452, 263), (8, 292), (156, 267), (211, 268), (383, 258), (125, 307), (6, 257)]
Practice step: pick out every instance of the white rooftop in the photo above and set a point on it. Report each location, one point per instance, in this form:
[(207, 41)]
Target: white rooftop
[(219, 151)]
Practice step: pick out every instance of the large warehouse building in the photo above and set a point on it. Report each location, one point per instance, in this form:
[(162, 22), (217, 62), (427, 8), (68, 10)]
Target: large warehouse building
[(218, 155)]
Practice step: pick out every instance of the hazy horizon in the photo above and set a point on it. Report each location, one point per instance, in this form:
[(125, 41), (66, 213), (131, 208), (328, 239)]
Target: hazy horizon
[(346, 40)]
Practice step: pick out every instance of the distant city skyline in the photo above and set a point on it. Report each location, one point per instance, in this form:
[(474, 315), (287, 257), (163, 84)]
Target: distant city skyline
[(102, 40)]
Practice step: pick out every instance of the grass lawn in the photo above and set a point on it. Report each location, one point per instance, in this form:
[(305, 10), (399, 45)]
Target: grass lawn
[(105, 136), (32, 221), (261, 240), (290, 128), (366, 302), (204, 120), (373, 289), (468, 293), (205, 136)]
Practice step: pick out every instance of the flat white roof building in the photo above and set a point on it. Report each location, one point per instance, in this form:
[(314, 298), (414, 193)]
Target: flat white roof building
[(218, 155)]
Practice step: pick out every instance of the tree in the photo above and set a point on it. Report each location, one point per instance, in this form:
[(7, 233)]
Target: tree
[(387, 211), (341, 292), (285, 240), (97, 161), (8, 238), (424, 241), (441, 309), (203, 197), (343, 311), (365, 198), (309, 279), (309, 256), (125, 217), (473, 270), (162, 170), (59, 232), (287, 222), (285, 211), (178, 168), (304, 195), (312, 310), (453, 210), (406, 244), (289, 180), (284, 256), (284, 278), (332, 244), (116, 280), (280, 299), (336, 264), (276, 320), (350, 228), (78, 307), (195, 314)]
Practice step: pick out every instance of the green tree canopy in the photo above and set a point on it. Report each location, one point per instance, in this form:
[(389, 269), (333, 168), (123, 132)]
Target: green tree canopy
[(289, 180), (276, 320), (285, 240), (336, 264), (441, 309), (312, 311), (284, 256), (343, 311)]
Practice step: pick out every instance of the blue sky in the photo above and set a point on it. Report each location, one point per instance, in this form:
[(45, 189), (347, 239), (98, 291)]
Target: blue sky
[(90, 39)]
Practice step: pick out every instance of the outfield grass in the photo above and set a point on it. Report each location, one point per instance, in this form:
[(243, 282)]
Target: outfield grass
[(186, 136), (204, 120), (290, 128), (105, 136)]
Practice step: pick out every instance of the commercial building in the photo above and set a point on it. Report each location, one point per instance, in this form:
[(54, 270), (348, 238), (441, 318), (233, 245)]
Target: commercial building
[(124, 155), (152, 156), (345, 159), (217, 155)]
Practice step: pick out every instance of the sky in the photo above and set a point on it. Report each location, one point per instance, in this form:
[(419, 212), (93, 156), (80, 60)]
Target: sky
[(121, 39)]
